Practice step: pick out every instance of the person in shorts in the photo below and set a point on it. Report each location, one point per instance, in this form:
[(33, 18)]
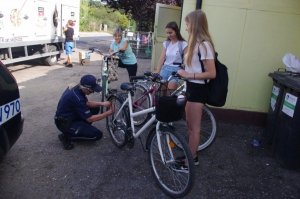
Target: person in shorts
[(197, 90), (69, 42), (172, 54)]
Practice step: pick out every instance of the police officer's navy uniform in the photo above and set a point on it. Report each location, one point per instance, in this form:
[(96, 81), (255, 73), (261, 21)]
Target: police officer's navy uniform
[(72, 113), (73, 110)]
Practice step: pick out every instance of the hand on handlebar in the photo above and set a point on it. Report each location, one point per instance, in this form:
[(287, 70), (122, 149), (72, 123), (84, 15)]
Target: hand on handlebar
[(182, 73)]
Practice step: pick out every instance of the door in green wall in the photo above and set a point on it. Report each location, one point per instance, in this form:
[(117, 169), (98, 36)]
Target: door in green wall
[(163, 15)]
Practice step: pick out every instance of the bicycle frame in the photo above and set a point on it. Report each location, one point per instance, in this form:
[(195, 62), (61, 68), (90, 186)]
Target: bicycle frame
[(134, 114), (151, 90), (104, 77), (150, 122)]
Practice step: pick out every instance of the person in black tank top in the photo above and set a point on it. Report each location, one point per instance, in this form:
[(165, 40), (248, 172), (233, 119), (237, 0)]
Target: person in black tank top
[(69, 42)]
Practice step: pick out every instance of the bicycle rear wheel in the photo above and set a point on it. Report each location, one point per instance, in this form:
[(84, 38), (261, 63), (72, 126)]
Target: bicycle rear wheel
[(174, 168), (141, 100), (208, 129), (117, 124)]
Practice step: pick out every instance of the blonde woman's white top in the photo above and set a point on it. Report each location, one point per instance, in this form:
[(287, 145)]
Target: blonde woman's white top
[(195, 67)]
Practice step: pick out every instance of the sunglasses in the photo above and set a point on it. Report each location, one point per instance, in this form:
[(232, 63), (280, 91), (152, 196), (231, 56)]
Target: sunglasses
[(90, 90)]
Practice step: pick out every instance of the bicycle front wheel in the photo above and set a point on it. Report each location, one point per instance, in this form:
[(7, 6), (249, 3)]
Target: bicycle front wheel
[(117, 124), (208, 130), (141, 100), (173, 167)]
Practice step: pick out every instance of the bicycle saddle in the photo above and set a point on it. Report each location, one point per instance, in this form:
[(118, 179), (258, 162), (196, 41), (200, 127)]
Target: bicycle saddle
[(127, 86)]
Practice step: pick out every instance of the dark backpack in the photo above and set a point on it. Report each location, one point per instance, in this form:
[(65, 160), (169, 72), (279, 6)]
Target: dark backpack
[(218, 87)]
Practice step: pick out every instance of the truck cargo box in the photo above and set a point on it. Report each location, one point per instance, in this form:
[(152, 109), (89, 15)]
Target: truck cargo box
[(32, 29)]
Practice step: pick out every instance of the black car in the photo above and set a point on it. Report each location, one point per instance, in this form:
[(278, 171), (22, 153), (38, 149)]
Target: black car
[(11, 120)]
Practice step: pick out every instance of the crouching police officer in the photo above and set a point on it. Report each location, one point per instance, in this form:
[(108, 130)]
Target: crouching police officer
[(75, 113)]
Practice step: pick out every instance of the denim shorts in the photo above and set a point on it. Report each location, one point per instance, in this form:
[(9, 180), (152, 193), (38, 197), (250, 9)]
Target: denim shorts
[(69, 48), (166, 72)]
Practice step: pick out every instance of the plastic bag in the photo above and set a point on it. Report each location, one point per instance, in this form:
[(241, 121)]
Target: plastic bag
[(291, 62)]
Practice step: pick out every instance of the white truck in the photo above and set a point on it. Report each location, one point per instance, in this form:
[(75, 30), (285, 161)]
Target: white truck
[(33, 29)]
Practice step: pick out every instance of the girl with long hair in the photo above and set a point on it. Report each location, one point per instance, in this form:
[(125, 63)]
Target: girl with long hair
[(200, 46), (172, 54)]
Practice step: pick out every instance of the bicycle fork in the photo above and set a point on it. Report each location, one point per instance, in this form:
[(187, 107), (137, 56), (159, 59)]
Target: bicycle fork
[(159, 143), (104, 80)]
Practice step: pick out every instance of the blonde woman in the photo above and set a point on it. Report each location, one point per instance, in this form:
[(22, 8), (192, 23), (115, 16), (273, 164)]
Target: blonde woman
[(200, 46), (127, 57)]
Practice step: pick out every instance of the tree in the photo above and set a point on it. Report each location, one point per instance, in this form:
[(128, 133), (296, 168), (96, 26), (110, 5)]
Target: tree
[(142, 11), (93, 14)]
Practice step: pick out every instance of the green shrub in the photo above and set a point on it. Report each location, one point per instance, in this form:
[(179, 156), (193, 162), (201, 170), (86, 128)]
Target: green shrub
[(93, 15)]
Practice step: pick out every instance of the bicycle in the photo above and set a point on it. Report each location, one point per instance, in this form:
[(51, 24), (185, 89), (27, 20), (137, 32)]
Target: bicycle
[(108, 71), (172, 166), (144, 98)]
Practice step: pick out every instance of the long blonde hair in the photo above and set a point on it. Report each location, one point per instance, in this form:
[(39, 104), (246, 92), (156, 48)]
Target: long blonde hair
[(198, 32)]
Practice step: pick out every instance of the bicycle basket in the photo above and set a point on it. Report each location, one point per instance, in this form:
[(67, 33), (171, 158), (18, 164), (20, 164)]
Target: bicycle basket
[(112, 70), (167, 109)]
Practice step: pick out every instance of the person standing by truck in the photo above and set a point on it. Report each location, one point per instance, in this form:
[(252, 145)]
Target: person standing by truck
[(69, 42)]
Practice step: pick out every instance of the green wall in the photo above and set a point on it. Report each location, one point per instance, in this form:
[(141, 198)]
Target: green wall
[(251, 37)]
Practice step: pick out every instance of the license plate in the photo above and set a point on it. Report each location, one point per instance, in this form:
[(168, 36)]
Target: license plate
[(9, 110)]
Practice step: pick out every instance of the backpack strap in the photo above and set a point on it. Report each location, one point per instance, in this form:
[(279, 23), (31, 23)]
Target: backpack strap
[(201, 63), (167, 43), (180, 49)]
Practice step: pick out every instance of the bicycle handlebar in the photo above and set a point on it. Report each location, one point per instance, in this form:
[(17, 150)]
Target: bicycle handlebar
[(97, 50), (180, 65), (93, 49), (175, 74), (154, 77)]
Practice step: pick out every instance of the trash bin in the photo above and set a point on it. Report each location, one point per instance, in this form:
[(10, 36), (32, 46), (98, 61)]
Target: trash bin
[(275, 103), (287, 127)]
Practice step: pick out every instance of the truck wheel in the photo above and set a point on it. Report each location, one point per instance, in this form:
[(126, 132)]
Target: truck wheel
[(52, 60)]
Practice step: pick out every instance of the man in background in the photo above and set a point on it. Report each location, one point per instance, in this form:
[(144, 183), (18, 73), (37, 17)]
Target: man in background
[(69, 42)]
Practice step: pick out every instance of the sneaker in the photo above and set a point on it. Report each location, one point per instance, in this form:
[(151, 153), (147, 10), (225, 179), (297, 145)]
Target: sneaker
[(180, 167), (66, 142), (65, 63), (196, 161), (180, 159), (69, 65)]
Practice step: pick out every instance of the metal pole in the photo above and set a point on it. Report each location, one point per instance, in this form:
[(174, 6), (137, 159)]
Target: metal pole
[(199, 4)]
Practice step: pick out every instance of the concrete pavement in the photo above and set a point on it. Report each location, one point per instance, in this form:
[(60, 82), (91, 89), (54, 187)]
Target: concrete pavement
[(38, 167)]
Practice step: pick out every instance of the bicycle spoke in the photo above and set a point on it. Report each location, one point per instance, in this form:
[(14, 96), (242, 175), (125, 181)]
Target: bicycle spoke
[(116, 124), (208, 129), (141, 100), (174, 177)]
